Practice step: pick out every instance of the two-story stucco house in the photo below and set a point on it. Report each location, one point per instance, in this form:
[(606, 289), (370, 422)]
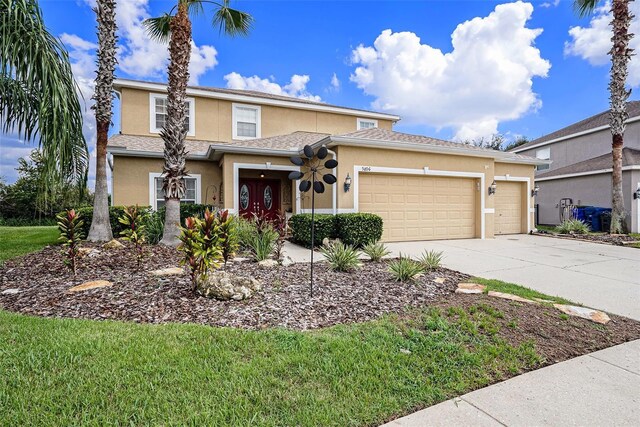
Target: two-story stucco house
[(240, 142), (581, 164)]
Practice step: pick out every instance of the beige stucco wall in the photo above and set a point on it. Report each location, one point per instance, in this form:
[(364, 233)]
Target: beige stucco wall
[(131, 179), (213, 118)]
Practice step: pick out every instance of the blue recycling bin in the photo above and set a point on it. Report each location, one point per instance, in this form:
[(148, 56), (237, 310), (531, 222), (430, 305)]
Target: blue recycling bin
[(596, 219)]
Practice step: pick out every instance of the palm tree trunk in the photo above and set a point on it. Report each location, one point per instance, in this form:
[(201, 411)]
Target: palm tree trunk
[(174, 132), (620, 56), (105, 10)]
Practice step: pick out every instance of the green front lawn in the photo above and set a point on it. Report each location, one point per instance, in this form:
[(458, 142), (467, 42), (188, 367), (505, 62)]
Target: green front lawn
[(16, 241), (77, 372)]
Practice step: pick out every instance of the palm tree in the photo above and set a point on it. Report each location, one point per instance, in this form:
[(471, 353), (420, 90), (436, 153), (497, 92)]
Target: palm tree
[(105, 10), (177, 29), (38, 97), (618, 95)]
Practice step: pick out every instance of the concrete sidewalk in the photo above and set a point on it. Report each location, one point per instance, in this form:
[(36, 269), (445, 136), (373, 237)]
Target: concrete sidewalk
[(599, 389)]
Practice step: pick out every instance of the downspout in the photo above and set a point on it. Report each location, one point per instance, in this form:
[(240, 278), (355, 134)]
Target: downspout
[(334, 187), (110, 156)]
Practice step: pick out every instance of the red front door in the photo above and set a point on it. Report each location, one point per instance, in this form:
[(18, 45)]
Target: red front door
[(259, 196)]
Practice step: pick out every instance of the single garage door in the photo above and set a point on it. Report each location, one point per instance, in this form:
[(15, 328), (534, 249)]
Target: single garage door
[(508, 213), (420, 207)]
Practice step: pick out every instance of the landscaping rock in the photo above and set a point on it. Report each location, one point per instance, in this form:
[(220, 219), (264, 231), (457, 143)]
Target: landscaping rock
[(113, 244), (226, 286), (510, 297), (584, 312), (171, 271), (91, 285), (286, 261), (470, 288), (239, 259), (268, 263), (11, 291), (84, 251), (439, 280)]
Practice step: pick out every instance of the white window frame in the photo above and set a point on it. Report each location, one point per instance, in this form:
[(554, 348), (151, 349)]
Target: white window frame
[(543, 154), (152, 113), (359, 121), (152, 188), (234, 121)]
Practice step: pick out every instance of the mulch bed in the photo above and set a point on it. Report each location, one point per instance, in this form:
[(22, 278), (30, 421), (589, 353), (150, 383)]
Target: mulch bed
[(556, 337), (137, 296), (607, 239)]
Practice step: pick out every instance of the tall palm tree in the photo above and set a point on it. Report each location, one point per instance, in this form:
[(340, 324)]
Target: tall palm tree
[(618, 95), (38, 96), (177, 29), (105, 10)]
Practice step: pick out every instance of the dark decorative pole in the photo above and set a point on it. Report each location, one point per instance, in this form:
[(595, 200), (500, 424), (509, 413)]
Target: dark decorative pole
[(310, 167)]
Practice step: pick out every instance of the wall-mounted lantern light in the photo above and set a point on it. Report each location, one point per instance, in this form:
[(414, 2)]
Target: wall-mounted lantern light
[(261, 174), (347, 183), (636, 194), (492, 187), (535, 190)]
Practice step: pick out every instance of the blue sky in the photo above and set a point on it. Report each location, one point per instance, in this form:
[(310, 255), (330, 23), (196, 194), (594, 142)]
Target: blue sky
[(502, 74)]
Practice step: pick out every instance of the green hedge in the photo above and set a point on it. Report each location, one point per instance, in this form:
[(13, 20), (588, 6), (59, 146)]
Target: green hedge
[(358, 229), (300, 224)]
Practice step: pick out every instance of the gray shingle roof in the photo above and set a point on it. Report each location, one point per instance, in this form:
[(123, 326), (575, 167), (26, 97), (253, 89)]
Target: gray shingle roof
[(296, 140), (154, 144), (601, 119), (630, 157)]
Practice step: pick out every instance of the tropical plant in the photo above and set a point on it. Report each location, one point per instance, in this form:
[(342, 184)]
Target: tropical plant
[(105, 10), (431, 260), (341, 257), (70, 225), (618, 95), (245, 230), (38, 98), (375, 251), (262, 243), (281, 226), (133, 220), (200, 245), (154, 225), (175, 27), (405, 269), (572, 226), (228, 234)]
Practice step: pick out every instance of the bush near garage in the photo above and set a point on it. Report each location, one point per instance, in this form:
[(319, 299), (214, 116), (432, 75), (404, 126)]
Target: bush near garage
[(355, 229), (325, 227), (358, 229)]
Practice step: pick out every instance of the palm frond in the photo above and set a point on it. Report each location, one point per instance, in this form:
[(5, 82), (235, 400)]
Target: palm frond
[(159, 28), (231, 21), (195, 7), (38, 95), (585, 7)]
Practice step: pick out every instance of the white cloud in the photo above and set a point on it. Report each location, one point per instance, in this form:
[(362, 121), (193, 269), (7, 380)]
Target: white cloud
[(335, 82), (593, 42), (143, 57), (554, 3), (485, 79), (297, 86)]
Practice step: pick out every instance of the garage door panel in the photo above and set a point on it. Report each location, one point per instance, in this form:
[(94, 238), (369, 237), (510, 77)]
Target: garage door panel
[(508, 208), (420, 207)]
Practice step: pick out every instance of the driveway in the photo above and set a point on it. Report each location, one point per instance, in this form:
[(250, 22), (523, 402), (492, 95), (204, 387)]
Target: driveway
[(599, 276)]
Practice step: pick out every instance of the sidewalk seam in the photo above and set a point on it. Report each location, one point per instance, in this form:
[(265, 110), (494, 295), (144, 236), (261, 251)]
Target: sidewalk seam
[(612, 364), (483, 411)]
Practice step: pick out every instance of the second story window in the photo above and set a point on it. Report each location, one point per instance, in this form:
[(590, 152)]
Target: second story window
[(246, 121), (367, 124), (158, 114), (543, 154)]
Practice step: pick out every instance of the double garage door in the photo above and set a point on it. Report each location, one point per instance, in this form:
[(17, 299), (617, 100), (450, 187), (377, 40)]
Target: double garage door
[(420, 207), (432, 208)]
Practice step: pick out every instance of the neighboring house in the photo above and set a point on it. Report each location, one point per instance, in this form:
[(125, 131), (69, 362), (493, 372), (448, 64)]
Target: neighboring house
[(240, 142), (581, 165)]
